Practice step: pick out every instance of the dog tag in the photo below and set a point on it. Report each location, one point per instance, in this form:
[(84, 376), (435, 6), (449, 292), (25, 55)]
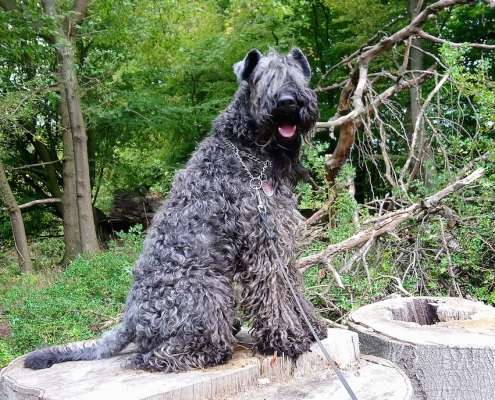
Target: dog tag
[(267, 188)]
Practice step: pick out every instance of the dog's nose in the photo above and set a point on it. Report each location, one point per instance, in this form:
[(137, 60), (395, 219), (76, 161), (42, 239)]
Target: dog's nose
[(286, 102)]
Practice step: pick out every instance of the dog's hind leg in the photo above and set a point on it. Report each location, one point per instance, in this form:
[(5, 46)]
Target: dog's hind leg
[(189, 327)]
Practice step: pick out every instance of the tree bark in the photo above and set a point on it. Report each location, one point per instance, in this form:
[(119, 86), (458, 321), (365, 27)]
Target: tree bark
[(66, 59), (89, 241), (20, 239), (72, 233), (444, 344), (423, 150)]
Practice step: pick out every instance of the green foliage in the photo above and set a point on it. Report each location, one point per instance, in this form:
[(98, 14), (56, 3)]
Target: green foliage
[(313, 159), (88, 293), (344, 208), (473, 80)]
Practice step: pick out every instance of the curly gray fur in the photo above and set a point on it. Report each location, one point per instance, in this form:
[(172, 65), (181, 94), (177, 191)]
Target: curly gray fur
[(208, 234)]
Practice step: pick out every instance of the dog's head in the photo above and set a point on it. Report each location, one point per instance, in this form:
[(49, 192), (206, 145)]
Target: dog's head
[(277, 96)]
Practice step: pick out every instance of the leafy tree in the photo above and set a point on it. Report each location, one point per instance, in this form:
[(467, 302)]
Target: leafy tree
[(51, 28)]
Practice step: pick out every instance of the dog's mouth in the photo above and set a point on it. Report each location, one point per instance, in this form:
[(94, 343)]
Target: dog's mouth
[(286, 127), (287, 130)]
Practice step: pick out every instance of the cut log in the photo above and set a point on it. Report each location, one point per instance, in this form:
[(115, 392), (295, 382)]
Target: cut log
[(445, 345), (247, 371), (134, 208), (128, 210)]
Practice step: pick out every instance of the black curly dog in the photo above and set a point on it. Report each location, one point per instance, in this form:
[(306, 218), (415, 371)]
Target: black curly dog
[(181, 309)]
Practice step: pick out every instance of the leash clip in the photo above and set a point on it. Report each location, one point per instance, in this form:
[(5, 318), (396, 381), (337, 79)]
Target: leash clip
[(261, 205)]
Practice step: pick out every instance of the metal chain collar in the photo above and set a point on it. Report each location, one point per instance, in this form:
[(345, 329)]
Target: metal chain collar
[(256, 182)]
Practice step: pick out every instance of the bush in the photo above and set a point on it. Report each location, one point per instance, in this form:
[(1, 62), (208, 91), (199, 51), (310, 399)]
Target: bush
[(82, 303)]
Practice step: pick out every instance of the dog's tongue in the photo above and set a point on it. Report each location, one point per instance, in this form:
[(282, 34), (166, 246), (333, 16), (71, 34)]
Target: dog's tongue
[(287, 130)]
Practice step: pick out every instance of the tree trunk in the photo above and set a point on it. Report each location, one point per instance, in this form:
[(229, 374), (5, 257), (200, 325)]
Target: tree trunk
[(423, 151), (415, 64), (65, 55), (89, 241), (72, 234), (20, 239)]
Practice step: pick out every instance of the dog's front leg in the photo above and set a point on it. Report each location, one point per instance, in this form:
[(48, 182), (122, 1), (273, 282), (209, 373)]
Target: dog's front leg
[(271, 308)]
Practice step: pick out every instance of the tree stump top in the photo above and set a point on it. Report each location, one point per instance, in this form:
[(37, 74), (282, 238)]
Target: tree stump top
[(445, 345), (108, 379), (423, 320)]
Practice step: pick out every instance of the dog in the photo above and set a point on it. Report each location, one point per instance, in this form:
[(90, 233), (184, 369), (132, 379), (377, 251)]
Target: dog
[(208, 235)]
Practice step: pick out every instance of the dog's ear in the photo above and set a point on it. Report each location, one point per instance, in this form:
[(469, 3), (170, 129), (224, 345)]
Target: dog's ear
[(244, 68), (298, 56)]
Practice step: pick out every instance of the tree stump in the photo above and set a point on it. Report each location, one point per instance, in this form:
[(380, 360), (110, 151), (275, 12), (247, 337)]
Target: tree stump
[(248, 375), (445, 345)]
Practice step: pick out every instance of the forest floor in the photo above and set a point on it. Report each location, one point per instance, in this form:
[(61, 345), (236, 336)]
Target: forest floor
[(5, 331)]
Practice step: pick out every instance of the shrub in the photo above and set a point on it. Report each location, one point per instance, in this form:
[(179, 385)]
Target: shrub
[(83, 302)]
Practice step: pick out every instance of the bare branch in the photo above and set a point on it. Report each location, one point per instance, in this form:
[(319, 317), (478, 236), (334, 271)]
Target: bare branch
[(383, 149), (399, 284), (470, 166), (392, 90), (413, 28), (338, 279), (36, 165), (449, 261), (435, 39), (349, 122), (334, 324), (357, 255), (40, 201), (347, 59), (330, 88), (317, 216), (417, 128), (349, 118), (344, 60)]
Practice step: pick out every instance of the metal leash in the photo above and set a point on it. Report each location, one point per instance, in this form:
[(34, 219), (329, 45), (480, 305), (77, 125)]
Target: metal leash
[(271, 236)]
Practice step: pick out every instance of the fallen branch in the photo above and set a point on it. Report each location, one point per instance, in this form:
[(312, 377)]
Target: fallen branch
[(37, 165), (350, 121), (318, 216), (386, 223), (449, 260), (352, 105), (334, 324), (415, 135), (399, 284)]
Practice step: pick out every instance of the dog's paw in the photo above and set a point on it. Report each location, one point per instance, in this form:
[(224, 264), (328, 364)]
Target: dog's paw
[(236, 326), (320, 329), (135, 361), (285, 344)]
